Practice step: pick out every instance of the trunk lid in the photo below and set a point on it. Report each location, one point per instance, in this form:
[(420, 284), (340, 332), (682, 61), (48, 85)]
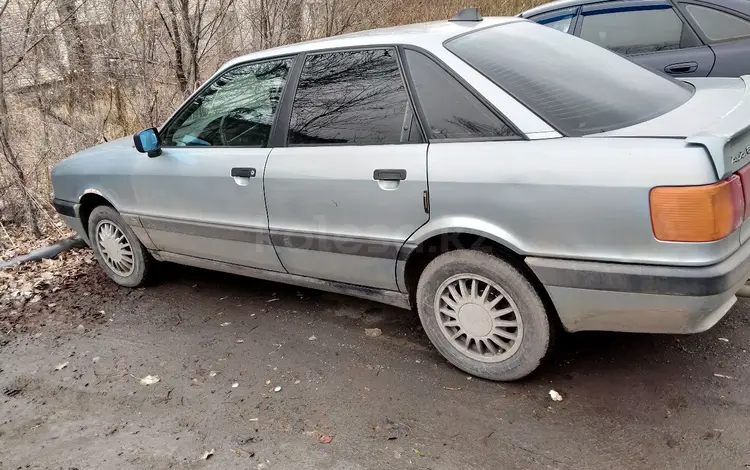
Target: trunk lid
[(717, 118)]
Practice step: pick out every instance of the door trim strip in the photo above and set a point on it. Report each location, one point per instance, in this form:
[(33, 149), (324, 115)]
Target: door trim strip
[(354, 246), (258, 236), (338, 244)]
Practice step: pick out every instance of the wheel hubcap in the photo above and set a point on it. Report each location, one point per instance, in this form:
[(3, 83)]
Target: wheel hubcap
[(115, 248), (478, 317)]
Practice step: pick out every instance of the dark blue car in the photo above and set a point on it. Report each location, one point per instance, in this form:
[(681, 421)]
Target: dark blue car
[(691, 38)]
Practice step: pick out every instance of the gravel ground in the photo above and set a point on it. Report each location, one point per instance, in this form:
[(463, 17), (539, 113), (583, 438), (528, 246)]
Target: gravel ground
[(388, 401)]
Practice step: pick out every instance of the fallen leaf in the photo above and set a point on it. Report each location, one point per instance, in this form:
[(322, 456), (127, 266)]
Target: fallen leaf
[(416, 451), (207, 454), (312, 338), (325, 439)]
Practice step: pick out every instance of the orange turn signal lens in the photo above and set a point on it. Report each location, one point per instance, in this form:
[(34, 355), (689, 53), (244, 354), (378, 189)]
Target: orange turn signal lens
[(697, 213)]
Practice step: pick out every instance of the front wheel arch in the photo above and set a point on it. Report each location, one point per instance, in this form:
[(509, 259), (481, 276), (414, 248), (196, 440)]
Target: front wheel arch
[(88, 202)]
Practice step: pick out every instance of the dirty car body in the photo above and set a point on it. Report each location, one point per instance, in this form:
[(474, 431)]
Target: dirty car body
[(611, 191)]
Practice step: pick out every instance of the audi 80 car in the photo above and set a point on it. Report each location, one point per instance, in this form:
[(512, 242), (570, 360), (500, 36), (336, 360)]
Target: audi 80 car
[(497, 176)]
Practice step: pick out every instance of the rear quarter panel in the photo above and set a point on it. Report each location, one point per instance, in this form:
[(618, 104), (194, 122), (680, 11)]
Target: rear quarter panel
[(575, 198)]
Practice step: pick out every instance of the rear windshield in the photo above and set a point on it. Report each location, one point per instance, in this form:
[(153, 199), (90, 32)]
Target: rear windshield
[(577, 87)]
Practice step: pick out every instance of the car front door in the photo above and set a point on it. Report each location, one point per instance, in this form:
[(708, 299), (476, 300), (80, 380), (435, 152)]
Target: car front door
[(649, 32), (350, 186), (203, 196)]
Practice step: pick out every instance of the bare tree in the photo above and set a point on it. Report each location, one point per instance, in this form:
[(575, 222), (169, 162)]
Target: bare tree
[(192, 29), (9, 154)]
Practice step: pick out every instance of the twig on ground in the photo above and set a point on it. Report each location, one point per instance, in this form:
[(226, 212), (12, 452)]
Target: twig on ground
[(12, 242)]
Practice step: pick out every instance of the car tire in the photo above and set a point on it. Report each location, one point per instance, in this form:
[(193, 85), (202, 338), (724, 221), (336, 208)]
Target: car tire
[(470, 332), (117, 249)]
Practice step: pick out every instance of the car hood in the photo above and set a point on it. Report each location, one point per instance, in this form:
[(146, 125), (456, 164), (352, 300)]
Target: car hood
[(713, 99)]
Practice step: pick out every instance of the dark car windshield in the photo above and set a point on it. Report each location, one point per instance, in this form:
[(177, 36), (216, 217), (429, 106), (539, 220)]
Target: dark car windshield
[(579, 88)]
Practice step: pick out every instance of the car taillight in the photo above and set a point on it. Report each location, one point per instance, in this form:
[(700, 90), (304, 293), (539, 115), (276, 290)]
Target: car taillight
[(698, 213)]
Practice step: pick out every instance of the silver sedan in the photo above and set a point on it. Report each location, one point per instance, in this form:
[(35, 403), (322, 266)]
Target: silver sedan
[(498, 176)]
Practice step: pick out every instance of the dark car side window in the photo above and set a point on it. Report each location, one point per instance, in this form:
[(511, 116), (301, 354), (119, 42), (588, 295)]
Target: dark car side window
[(452, 112), (717, 25), (236, 110), (636, 30), (560, 20), (352, 97)]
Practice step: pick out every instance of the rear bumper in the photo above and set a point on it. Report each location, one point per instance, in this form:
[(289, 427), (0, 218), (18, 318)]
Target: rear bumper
[(640, 298)]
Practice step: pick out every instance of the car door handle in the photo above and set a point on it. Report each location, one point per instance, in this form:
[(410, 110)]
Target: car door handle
[(682, 67), (389, 175), (243, 172)]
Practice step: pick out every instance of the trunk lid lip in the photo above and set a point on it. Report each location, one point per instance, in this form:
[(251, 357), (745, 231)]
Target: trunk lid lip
[(712, 100), (728, 140)]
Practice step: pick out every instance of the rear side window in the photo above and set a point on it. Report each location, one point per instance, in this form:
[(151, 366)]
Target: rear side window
[(630, 31), (561, 20), (452, 112), (353, 97), (717, 25), (577, 87)]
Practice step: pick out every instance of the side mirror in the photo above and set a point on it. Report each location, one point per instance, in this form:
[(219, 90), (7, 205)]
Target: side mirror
[(147, 141)]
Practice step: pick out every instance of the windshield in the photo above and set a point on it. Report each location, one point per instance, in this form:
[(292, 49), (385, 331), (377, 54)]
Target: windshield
[(577, 87)]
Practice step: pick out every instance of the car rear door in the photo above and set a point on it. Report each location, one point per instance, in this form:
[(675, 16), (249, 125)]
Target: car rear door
[(348, 185), (649, 32), (726, 30)]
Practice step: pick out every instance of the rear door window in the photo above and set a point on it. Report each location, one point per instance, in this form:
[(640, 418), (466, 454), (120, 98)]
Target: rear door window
[(451, 111), (352, 98), (561, 20), (632, 30), (718, 25)]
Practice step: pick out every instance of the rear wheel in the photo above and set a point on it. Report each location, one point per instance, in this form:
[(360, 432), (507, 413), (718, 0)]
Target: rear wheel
[(116, 248), (483, 315)]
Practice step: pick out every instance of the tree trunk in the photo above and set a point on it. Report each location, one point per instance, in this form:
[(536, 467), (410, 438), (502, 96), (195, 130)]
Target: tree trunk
[(78, 78), (10, 155), (294, 22)]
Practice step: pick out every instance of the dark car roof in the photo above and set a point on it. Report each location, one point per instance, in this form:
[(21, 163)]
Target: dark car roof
[(742, 6)]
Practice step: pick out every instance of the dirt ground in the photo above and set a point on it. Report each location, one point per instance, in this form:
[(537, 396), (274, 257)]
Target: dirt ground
[(388, 402)]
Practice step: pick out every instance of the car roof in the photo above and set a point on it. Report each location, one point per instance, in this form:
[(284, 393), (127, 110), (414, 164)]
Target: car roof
[(741, 6), (420, 34)]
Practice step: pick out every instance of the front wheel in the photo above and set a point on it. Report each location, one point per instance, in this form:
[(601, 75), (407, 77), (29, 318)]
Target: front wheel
[(483, 315), (116, 248)]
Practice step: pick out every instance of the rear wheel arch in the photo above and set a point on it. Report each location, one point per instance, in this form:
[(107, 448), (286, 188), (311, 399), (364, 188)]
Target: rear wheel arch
[(432, 247)]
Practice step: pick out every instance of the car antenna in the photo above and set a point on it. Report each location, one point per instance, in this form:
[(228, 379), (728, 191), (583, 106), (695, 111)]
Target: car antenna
[(468, 14)]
